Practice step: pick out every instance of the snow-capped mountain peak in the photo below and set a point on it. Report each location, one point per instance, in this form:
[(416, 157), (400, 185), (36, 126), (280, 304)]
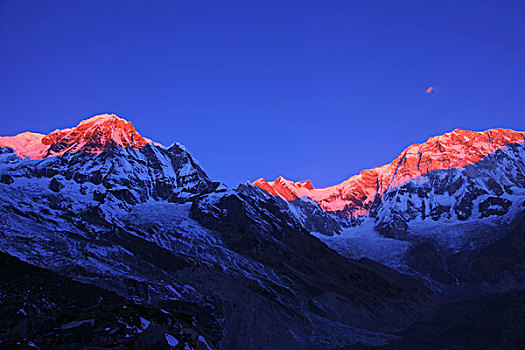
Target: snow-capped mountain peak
[(93, 135), (26, 144), (455, 149)]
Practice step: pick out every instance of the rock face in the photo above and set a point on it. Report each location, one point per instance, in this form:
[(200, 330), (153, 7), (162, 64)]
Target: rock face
[(132, 176), (492, 188), (306, 213), (147, 224), (362, 193)]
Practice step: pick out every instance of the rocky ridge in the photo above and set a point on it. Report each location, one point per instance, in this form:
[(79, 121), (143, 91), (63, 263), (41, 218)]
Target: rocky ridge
[(362, 193)]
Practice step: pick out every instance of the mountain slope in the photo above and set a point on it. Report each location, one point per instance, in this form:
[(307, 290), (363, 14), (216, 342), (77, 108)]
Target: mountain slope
[(40, 307), (467, 196), (360, 194), (148, 224)]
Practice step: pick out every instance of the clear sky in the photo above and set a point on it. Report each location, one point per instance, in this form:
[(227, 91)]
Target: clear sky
[(314, 90)]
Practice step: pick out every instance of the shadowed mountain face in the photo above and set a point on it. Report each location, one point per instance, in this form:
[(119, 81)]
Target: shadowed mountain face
[(140, 227)]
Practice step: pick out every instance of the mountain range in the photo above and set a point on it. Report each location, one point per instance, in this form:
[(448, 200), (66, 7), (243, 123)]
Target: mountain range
[(111, 240)]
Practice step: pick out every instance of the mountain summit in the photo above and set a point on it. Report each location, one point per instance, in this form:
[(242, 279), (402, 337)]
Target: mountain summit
[(356, 195), (93, 135)]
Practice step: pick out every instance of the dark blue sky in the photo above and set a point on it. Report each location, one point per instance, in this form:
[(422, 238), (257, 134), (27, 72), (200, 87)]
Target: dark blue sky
[(303, 89)]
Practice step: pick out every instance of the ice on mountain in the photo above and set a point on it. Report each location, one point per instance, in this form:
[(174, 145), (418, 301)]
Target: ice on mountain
[(144, 323), (171, 340)]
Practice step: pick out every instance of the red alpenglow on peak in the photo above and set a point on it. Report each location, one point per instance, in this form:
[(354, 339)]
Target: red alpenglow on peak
[(93, 135), (455, 149)]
